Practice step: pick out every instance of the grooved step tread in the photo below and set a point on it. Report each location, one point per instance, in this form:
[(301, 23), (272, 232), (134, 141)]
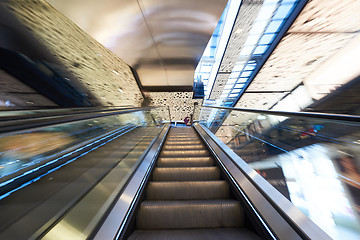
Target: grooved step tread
[(184, 153), (190, 214), (183, 147), (186, 198), (193, 190), (195, 234), (186, 174), (177, 139), (186, 135), (185, 161), (183, 142)]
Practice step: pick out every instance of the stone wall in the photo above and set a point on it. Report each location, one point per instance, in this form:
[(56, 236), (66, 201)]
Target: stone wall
[(181, 103), (98, 70)]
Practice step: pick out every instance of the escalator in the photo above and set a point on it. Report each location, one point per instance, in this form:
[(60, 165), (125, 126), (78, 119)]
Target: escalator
[(127, 176), (187, 198)]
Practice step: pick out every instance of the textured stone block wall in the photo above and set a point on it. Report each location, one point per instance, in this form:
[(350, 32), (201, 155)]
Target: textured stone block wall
[(181, 103), (102, 73)]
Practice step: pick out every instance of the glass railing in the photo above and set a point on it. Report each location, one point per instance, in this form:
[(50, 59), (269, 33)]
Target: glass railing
[(83, 162), (15, 112), (312, 159), (20, 151)]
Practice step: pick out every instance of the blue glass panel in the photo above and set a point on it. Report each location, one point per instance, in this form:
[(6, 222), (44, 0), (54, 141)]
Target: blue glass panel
[(242, 80), (260, 49), (283, 11), (250, 67), (267, 38), (239, 85), (274, 26), (246, 74)]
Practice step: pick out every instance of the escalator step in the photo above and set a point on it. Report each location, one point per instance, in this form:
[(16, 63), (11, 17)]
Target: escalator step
[(182, 132), (195, 234), (186, 174), (183, 142), (184, 153), (180, 147), (185, 162), (177, 139), (182, 135), (194, 190), (190, 214)]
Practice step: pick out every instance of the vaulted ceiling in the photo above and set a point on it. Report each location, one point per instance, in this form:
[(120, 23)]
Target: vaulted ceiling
[(162, 40)]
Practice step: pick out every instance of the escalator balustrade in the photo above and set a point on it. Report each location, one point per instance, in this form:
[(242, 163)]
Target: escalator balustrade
[(186, 197)]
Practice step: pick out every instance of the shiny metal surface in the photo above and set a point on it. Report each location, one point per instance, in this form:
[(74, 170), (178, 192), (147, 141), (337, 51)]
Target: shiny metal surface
[(170, 143), (196, 234), (188, 200), (115, 221), (278, 214), (184, 147), (184, 153), (190, 214), (37, 208), (80, 221), (186, 174), (188, 190), (163, 40), (185, 161), (327, 116)]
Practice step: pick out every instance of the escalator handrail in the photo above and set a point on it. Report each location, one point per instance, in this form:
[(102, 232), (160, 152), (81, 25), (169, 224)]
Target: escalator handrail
[(265, 193), (327, 116), (125, 205), (32, 122), (39, 112)]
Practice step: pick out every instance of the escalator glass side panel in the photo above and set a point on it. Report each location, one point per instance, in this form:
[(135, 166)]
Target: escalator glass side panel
[(314, 163), (17, 113), (24, 151), (117, 220), (97, 201), (112, 144)]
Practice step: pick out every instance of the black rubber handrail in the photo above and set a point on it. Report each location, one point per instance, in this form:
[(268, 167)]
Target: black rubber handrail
[(327, 116), (46, 112), (31, 122)]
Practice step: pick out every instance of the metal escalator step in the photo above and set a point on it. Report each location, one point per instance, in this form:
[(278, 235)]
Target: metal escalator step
[(182, 129), (183, 138), (194, 190), (183, 142), (186, 174), (195, 234), (184, 153), (180, 147), (185, 162), (190, 214), (182, 132)]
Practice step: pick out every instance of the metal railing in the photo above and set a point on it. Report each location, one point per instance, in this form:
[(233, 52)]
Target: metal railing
[(328, 116)]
